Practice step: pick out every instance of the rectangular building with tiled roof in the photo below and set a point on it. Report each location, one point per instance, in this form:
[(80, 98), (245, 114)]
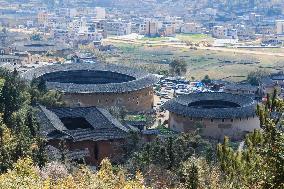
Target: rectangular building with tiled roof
[(89, 129)]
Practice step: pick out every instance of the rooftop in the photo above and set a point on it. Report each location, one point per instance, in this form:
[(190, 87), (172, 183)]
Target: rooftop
[(212, 105), (38, 46), (90, 78), (246, 87), (78, 124)]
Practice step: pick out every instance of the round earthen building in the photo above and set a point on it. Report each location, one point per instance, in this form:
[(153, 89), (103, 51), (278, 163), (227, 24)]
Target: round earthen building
[(215, 115), (101, 85)]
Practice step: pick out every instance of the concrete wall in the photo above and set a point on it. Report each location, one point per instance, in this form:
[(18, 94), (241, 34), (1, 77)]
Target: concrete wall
[(215, 128), (141, 100)]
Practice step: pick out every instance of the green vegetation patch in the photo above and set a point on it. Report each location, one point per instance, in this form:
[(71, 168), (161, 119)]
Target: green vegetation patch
[(154, 39), (195, 37), (135, 118), (164, 130)]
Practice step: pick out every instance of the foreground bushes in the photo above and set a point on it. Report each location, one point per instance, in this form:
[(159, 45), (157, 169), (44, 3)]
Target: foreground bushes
[(57, 176)]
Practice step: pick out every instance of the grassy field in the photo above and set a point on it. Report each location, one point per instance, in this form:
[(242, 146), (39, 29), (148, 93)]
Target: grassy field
[(154, 39), (268, 50), (216, 64), (182, 37), (194, 37)]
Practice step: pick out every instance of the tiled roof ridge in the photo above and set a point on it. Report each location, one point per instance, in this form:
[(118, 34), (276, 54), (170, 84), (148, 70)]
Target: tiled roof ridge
[(54, 120), (113, 120), (142, 78), (180, 105)]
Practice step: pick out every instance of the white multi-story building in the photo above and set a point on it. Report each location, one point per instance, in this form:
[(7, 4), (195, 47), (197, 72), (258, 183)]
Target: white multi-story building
[(255, 18), (100, 13), (279, 27), (78, 23)]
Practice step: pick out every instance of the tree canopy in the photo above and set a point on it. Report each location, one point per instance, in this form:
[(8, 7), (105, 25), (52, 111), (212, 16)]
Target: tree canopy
[(19, 135), (178, 67), (206, 80), (254, 77), (261, 163)]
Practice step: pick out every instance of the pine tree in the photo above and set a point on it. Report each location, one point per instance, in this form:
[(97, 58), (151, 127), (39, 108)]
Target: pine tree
[(261, 163)]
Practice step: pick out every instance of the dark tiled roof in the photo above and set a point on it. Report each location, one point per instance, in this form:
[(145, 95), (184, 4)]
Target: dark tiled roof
[(277, 77), (39, 46), (247, 87), (267, 81), (97, 134), (141, 79), (104, 126), (246, 105), (50, 124)]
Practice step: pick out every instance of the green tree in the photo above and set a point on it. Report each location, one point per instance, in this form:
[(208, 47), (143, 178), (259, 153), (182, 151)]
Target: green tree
[(40, 94), (36, 37), (170, 152), (13, 95), (254, 77), (163, 72), (178, 67), (190, 174), (261, 163), (19, 128), (197, 173), (118, 112), (206, 80)]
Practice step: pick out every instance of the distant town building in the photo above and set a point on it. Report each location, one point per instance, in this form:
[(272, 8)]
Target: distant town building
[(191, 28), (279, 27), (3, 38), (5, 50), (100, 13), (19, 58), (219, 32), (11, 59), (167, 31), (245, 32), (223, 32), (255, 18), (117, 27), (151, 28), (42, 18)]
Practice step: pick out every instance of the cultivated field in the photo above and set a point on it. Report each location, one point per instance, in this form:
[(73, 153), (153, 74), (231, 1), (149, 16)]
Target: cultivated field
[(219, 63)]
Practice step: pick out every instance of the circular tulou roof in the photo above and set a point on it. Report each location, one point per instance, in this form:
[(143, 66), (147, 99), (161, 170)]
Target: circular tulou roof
[(92, 78), (212, 105)]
